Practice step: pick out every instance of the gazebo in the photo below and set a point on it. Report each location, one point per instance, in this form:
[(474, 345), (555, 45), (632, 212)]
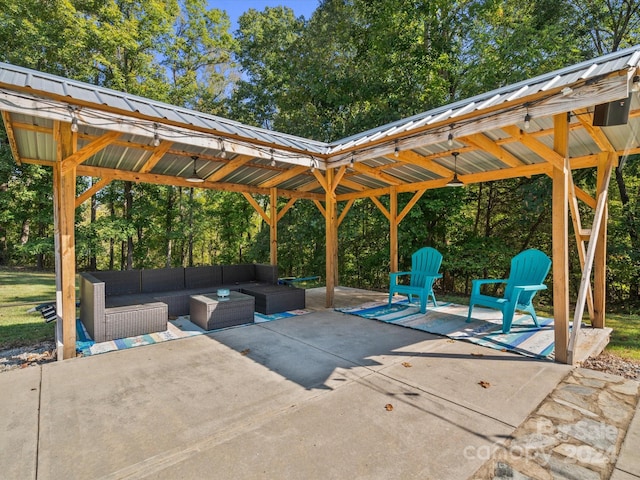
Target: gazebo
[(583, 116)]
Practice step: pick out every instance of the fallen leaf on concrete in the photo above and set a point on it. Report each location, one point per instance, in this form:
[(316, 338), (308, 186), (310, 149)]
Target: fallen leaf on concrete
[(484, 384), (245, 351), (478, 354), (388, 407), (451, 341), (406, 364)]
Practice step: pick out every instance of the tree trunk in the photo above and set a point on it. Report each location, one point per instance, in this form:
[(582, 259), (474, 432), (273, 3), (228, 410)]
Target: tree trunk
[(190, 240), (93, 259), (128, 196), (168, 221), (112, 242)]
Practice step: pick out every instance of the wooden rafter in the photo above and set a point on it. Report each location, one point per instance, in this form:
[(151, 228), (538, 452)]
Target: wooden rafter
[(412, 158), (88, 150), (586, 120), (285, 175), (6, 117), (536, 146), (156, 156), (228, 168), (481, 141), (377, 174)]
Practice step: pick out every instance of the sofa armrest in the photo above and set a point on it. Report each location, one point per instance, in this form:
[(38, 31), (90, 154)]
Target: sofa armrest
[(92, 307), (266, 273)]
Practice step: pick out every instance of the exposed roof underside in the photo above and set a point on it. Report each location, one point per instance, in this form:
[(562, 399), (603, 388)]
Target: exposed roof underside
[(126, 137)]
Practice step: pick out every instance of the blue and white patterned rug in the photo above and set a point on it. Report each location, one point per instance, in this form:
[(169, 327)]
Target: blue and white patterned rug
[(180, 327), (485, 328)]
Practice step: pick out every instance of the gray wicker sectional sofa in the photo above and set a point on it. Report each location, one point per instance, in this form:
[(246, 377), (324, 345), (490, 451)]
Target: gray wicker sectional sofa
[(119, 304)]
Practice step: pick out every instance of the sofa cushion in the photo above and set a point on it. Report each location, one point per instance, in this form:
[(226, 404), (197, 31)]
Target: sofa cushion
[(162, 280), (233, 274), (203, 277), (119, 282)]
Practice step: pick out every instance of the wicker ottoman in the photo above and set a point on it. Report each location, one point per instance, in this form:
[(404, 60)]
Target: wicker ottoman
[(276, 298), (134, 320), (209, 312)]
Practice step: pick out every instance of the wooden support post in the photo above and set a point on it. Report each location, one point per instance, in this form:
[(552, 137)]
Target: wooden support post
[(560, 235), (332, 239), (600, 261), (273, 223), (393, 229), (64, 190)]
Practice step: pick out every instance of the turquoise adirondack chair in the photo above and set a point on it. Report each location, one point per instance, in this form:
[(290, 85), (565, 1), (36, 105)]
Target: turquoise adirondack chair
[(528, 270), (425, 264)]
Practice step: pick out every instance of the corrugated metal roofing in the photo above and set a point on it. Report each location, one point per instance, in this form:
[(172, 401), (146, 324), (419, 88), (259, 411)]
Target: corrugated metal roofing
[(581, 72), (486, 144), (82, 92)]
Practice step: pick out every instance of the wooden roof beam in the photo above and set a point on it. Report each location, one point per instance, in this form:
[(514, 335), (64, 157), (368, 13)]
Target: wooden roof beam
[(481, 141), (8, 126), (229, 167), (413, 158), (377, 174), (87, 151), (286, 175)]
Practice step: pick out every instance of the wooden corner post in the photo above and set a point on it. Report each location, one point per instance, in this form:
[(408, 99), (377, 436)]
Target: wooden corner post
[(64, 191), (393, 228), (273, 224), (331, 228), (560, 235)]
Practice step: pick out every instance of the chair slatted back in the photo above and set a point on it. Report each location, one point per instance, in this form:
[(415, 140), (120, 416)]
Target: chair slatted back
[(529, 267), (424, 263)]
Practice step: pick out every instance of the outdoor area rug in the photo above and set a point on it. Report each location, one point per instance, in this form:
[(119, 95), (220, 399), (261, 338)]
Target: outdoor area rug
[(485, 328), (180, 327)]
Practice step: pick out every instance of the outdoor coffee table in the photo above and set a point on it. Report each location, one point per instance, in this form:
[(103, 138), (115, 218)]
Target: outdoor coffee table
[(210, 312)]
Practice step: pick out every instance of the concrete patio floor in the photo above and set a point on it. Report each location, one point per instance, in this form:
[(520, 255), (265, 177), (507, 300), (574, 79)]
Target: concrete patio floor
[(303, 397)]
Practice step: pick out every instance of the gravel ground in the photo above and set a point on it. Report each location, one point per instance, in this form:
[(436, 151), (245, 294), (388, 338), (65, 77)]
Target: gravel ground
[(30, 356), (24, 357)]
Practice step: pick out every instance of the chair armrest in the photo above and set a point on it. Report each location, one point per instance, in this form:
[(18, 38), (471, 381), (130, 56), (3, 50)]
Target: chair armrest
[(477, 283), (395, 275), (527, 288)]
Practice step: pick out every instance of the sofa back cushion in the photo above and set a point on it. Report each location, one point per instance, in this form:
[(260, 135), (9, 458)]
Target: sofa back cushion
[(266, 273), (162, 280), (242, 273), (119, 282), (203, 277)]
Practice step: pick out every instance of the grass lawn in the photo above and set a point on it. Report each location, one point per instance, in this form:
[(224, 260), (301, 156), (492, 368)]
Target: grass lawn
[(21, 290)]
